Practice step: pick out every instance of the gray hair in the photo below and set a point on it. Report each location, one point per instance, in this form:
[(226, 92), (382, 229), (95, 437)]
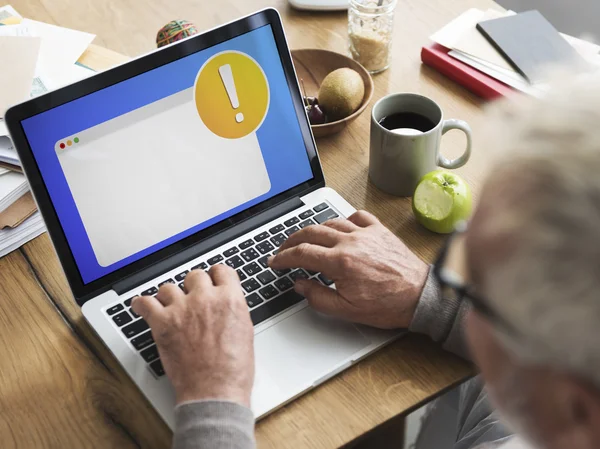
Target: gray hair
[(547, 226)]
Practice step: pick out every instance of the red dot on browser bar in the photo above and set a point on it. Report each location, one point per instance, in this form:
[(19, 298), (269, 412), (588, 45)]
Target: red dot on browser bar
[(62, 146)]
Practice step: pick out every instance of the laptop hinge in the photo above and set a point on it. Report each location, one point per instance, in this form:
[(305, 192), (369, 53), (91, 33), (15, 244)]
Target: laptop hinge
[(206, 245)]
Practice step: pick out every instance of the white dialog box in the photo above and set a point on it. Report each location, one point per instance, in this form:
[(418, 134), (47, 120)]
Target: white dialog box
[(162, 169)]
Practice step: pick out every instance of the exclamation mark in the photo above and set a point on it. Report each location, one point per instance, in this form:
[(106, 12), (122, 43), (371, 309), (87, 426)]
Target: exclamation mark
[(227, 78)]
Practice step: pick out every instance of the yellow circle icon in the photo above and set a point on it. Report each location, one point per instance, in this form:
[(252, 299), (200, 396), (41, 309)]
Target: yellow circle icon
[(231, 94)]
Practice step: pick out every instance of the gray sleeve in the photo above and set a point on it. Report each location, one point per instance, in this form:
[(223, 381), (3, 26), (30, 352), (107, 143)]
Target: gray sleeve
[(476, 425), (213, 425), (441, 318)]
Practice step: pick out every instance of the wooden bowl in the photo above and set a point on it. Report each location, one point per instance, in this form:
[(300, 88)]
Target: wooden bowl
[(313, 65)]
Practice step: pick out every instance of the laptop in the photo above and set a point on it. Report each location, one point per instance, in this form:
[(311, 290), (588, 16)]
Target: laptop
[(196, 154)]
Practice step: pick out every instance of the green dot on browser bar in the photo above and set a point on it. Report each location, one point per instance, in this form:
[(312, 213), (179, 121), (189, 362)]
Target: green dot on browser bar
[(76, 140)]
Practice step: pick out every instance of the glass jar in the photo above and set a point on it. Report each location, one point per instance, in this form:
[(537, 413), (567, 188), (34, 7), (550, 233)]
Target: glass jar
[(370, 28)]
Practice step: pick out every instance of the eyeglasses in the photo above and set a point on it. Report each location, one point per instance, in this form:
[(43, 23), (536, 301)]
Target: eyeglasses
[(449, 279)]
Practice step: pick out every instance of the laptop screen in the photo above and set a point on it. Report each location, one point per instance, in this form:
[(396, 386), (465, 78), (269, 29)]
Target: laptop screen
[(146, 162)]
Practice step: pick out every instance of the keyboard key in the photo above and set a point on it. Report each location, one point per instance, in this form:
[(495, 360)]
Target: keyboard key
[(263, 261), (241, 275), (150, 354), (284, 283), (181, 286), (133, 314), (250, 285), (268, 292), (312, 273), (215, 259), (253, 300), (231, 251), (278, 240), (307, 213), (280, 273), (277, 229), (181, 276), (291, 221), (200, 266), (320, 207), (157, 368), (262, 236), (247, 244), (235, 262), (128, 302), (252, 268), (114, 309), (298, 274), (141, 341), (306, 223), (266, 277), (325, 215), (168, 281), (325, 280), (264, 247), (122, 319), (272, 308), (135, 328), (249, 255), (150, 292), (290, 231)]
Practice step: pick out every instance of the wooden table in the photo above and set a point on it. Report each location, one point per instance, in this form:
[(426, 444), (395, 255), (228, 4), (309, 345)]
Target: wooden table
[(60, 387)]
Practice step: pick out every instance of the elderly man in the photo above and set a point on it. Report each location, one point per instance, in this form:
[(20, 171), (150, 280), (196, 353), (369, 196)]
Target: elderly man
[(520, 286)]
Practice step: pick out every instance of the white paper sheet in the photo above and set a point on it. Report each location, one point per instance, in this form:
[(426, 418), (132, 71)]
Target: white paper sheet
[(18, 56), (14, 30), (60, 47), (13, 186)]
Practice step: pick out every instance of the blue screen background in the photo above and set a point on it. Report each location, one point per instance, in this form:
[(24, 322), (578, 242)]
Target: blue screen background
[(279, 136)]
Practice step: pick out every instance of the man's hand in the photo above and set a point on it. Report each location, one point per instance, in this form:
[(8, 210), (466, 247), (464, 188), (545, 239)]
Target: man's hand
[(378, 279), (205, 337)]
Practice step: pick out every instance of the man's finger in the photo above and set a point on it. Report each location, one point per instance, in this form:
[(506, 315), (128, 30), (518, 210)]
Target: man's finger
[(305, 255), (323, 299), (223, 275), (315, 235), (341, 224), (363, 219), (197, 279), (168, 294), (148, 307)]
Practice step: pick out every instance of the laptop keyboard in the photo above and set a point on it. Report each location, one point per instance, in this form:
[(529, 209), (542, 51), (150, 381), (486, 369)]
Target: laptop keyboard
[(267, 291)]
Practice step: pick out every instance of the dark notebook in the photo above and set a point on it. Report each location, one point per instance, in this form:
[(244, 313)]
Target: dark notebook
[(529, 43)]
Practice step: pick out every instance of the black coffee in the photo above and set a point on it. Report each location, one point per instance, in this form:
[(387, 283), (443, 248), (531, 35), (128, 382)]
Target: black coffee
[(403, 120)]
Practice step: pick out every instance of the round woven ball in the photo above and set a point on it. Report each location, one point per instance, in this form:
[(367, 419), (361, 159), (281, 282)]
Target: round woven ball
[(174, 31)]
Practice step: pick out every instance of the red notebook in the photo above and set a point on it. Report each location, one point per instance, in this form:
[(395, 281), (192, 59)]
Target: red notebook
[(479, 83)]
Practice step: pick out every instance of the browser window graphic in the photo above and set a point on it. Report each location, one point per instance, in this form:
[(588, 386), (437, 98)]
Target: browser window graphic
[(154, 172)]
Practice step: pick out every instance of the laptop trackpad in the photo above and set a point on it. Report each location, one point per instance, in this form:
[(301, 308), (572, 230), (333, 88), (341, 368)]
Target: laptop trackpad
[(297, 351)]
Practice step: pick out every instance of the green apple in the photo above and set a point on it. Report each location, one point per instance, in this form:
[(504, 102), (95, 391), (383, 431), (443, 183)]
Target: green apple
[(441, 200)]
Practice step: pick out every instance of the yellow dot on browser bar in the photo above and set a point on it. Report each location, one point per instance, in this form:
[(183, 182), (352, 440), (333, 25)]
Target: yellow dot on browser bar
[(69, 143)]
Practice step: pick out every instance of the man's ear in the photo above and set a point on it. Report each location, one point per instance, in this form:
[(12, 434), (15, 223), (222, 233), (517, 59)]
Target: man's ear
[(582, 401)]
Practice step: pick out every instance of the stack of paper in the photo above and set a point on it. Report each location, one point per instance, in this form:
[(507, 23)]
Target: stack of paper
[(469, 46), (35, 57), (13, 238), (12, 187)]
